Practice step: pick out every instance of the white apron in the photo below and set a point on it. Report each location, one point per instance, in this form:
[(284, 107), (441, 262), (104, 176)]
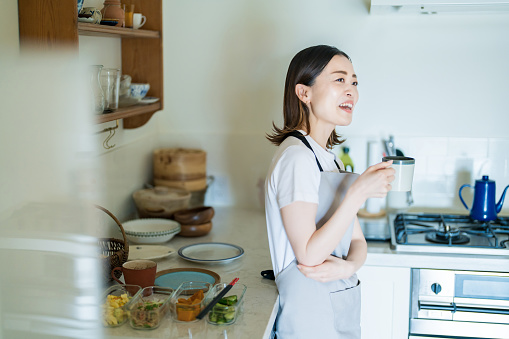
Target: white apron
[(310, 309)]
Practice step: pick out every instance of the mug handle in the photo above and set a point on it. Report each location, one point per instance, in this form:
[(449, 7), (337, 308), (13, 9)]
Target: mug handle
[(143, 20), (113, 274), (461, 198)]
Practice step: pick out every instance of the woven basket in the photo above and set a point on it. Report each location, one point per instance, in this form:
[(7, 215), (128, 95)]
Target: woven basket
[(114, 251)]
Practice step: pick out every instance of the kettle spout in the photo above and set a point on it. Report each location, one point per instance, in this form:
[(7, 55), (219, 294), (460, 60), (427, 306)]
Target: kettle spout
[(501, 201)]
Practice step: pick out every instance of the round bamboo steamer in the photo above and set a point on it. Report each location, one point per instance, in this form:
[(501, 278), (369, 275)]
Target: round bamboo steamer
[(189, 185), (180, 164)]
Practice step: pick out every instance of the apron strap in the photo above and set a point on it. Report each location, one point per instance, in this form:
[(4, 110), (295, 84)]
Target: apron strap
[(299, 136)]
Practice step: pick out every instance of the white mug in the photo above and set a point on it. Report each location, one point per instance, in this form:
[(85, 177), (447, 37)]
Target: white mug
[(138, 20), (404, 175)]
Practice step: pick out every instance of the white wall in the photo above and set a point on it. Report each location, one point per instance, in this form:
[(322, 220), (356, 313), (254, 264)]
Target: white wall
[(437, 83), (428, 80)]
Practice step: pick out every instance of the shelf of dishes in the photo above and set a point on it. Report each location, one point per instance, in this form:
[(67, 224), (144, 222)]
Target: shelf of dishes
[(128, 112), (111, 31)]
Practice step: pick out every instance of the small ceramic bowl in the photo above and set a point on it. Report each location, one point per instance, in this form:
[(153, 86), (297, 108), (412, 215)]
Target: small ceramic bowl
[(151, 230), (109, 22), (194, 216), (195, 230), (138, 91)]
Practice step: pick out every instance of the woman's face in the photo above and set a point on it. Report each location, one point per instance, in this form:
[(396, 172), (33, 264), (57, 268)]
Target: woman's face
[(334, 94)]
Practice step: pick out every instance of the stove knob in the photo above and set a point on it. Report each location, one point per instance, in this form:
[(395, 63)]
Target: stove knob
[(436, 288)]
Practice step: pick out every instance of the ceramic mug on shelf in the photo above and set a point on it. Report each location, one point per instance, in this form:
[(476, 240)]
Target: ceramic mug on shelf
[(137, 272), (139, 20)]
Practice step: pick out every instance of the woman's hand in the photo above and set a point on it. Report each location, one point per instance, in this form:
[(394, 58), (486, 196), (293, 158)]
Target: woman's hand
[(375, 181), (333, 268)]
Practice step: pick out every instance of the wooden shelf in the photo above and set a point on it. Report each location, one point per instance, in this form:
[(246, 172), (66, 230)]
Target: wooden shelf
[(119, 32), (141, 49), (128, 112)]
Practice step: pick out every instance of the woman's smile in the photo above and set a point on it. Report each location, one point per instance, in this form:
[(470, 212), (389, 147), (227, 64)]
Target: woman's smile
[(347, 106)]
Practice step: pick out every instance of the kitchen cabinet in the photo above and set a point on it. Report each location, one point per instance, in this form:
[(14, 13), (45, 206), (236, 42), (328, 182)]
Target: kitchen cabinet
[(53, 25), (385, 306)]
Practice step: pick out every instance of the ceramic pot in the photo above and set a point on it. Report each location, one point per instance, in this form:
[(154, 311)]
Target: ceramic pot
[(112, 10)]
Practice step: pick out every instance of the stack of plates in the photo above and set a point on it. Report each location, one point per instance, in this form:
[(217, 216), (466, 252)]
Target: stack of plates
[(151, 230)]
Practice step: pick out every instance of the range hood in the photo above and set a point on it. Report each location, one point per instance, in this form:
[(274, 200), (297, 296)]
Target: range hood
[(438, 6)]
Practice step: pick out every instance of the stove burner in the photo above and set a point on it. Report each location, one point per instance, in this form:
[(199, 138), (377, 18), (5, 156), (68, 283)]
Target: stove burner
[(452, 236), (449, 233)]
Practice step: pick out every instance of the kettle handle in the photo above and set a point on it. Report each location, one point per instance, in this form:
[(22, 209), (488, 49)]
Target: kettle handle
[(461, 198)]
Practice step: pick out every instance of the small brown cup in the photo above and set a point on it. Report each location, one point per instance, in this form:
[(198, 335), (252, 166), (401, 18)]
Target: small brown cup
[(137, 272)]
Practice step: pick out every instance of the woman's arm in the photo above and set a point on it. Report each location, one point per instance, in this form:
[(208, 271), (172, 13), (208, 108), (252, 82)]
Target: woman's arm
[(311, 246), (334, 268)]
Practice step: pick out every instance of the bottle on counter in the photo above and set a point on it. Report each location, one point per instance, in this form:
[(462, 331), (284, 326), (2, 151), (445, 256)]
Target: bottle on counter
[(346, 160)]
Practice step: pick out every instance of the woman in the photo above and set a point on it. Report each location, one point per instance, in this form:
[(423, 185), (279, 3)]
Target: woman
[(315, 239)]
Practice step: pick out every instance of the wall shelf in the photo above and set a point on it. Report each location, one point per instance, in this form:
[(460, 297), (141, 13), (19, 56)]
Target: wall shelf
[(142, 49), (128, 112), (108, 31)]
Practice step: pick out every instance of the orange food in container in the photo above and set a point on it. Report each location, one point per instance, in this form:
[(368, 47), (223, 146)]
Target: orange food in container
[(188, 300)]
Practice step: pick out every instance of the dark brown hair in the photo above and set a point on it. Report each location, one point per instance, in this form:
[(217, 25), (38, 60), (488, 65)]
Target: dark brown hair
[(304, 68)]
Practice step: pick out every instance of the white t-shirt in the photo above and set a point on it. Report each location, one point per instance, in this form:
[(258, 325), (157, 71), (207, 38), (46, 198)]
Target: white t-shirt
[(293, 176)]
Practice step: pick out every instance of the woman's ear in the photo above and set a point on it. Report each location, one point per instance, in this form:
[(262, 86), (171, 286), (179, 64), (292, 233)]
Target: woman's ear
[(303, 92)]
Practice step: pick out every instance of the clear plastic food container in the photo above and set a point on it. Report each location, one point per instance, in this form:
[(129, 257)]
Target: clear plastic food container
[(228, 309), (188, 300), (115, 303), (148, 308)]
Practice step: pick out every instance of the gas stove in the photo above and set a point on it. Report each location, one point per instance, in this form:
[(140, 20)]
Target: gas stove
[(448, 233)]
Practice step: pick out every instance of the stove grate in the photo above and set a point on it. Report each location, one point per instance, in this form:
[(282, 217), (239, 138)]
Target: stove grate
[(467, 232)]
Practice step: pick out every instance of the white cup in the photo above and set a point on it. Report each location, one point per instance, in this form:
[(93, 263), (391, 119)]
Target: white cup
[(138, 20), (404, 175)]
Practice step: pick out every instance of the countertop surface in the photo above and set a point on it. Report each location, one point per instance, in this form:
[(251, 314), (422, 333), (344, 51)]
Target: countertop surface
[(247, 229)]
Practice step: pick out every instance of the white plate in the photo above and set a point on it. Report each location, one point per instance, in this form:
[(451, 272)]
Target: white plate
[(211, 252), (149, 252), (149, 100)]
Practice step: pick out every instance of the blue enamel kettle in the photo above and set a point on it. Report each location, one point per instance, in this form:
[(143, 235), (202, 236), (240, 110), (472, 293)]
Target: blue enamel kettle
[(484, 207)]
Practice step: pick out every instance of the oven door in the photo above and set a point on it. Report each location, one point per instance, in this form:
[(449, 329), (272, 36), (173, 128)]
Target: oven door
[(460, 304)]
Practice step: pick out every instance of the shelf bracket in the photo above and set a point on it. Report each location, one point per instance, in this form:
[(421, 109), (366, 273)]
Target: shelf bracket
[(111, 131)]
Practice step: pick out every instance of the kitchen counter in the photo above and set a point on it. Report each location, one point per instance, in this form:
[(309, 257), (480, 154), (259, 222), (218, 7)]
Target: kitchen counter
[(246, 228), (380, 254)]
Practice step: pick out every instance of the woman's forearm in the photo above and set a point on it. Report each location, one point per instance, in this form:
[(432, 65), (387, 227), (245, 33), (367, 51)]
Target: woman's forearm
[(312, 247), (325, 240), (357, 254)]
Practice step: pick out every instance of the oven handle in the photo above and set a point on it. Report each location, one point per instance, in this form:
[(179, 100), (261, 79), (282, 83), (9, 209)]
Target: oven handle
[(483, 302), (454, 308)]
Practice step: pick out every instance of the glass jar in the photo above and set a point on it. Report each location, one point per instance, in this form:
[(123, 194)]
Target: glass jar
[(95, 86)]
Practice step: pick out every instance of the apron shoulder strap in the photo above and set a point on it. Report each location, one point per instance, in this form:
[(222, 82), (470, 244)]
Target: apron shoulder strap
[(299, 136)]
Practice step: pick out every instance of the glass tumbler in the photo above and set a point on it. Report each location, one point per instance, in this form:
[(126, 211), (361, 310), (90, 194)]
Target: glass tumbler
[(110, 83), (97, 92)]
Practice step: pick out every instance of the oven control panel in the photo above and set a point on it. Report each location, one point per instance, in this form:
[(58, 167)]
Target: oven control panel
[(436, 285)]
